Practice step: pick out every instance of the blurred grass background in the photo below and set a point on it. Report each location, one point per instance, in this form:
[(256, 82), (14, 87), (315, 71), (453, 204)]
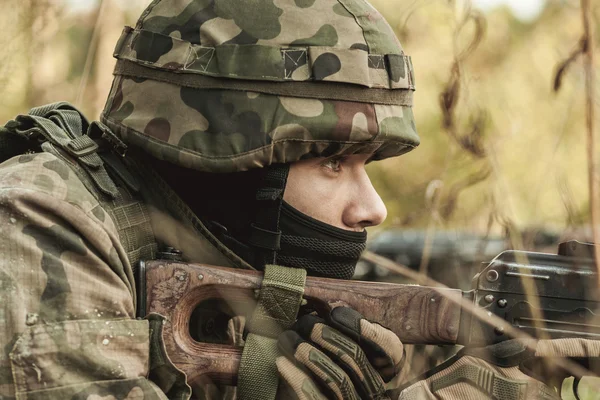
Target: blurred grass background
[(522, 161)]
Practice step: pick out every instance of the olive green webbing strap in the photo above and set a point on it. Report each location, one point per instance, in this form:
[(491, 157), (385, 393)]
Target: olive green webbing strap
[(64, 126), (278, 303), (313, 90), (132, 219)]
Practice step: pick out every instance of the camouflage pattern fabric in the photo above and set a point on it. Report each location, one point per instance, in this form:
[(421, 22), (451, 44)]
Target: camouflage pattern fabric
[(67, 308), (344, 43), (392, 71), (67, 294), (347, 357)]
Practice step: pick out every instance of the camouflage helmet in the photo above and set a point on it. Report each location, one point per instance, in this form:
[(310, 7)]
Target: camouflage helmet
[(229, 85)]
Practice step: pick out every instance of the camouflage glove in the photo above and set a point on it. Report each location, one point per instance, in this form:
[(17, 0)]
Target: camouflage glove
[(347, 357)]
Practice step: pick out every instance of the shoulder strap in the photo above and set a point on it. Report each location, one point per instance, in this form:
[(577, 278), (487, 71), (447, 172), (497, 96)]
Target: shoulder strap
[(265, 235), (61, 129), (62, 126)]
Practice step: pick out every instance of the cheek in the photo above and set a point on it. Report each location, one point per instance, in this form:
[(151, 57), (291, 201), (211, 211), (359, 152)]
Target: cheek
[(316, 196)]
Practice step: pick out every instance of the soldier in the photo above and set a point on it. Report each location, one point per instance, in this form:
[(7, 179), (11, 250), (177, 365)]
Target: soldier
[(247, 127)]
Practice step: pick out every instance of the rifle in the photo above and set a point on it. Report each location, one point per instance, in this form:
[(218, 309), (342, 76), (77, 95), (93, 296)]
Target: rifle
[(544, 295)]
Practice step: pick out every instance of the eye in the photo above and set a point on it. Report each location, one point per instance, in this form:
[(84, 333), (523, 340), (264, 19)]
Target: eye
[(333, 163)]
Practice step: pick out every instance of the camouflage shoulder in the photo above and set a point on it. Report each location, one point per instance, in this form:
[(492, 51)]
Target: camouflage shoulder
[(45, 173), (67, 297)]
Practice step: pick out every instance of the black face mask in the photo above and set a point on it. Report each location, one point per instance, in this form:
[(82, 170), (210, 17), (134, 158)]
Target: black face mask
[(320, 248)]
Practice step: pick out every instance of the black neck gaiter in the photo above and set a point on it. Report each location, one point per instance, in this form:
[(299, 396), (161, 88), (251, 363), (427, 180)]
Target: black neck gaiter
[(320, 248)]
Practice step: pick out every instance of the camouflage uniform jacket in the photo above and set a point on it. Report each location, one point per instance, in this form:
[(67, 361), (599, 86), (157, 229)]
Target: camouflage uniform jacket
[(67, 291)]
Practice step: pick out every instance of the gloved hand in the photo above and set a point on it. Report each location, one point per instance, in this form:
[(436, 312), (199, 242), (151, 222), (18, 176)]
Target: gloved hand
[(512, 370), (345, 357)]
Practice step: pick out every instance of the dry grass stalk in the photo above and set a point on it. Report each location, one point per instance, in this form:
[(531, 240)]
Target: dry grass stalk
[(504, 212), (87, 68), (451, 200), (471, 142), (585, 48), (593, 181), (433, 197), (562, 67)]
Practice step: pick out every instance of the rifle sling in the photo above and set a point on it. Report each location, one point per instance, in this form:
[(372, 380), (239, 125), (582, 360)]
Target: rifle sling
[(278, 303)]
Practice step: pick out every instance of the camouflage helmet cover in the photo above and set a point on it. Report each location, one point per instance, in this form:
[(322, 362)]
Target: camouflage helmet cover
[(229, 85)]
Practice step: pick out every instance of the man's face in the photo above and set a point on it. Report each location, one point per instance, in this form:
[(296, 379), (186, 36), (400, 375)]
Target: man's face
[(336, 191)]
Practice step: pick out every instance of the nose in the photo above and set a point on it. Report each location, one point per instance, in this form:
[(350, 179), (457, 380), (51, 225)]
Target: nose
[(365, 207)]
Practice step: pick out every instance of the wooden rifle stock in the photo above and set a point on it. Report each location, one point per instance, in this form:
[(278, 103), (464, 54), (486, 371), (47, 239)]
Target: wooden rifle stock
[(417, 314)]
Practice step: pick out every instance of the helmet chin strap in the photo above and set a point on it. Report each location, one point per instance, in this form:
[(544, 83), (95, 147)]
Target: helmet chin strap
[(265, 235)]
